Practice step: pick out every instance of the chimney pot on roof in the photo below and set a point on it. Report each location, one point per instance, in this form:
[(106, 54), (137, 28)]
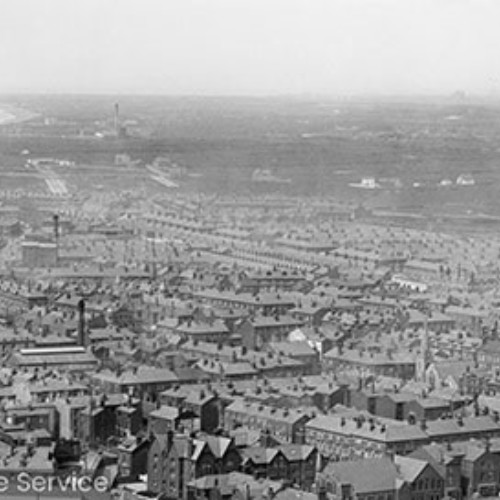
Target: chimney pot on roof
[(487, 445)]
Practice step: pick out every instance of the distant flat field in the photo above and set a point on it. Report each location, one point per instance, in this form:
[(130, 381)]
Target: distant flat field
[(26, 182), (321, 145)]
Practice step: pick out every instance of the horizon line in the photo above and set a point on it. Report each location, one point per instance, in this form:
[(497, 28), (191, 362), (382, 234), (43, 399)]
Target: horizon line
[(454, 95)]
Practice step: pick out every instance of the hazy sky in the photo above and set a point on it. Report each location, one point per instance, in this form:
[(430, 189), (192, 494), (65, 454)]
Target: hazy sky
[(250, 46)]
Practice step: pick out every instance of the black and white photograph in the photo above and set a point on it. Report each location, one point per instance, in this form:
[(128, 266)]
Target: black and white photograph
[(249, 249)]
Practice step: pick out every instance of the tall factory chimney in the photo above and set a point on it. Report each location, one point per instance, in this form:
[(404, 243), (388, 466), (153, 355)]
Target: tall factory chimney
[(117, 119), (82, 334), (56, 227), (56, 235)]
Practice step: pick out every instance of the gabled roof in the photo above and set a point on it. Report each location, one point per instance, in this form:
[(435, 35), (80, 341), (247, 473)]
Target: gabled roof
[(218, 445), (410, 468), (441, 454), (296, 452), (260, 455), (434, 454)]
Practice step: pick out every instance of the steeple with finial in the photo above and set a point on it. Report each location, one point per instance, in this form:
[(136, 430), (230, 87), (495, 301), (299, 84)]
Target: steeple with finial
[(425, 356)]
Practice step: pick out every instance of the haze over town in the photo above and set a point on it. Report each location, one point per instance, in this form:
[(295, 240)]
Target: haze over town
[(249, 250)]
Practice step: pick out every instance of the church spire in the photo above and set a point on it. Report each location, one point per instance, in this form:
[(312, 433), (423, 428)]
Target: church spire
[(425, 356)]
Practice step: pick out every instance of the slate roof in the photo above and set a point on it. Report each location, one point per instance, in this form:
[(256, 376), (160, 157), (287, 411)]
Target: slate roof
[(436, 428), (143, 375), (259, 455), (410, 468), (293, 348), (165, 412), (50, 356), (384, 433), (269, 412), (366, 476), (379, 358), (296, 452)]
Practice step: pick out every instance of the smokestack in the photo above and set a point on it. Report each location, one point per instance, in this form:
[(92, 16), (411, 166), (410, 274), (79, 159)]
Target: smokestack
[(117, 119), (82, 336), (56, 227), (56, 234)]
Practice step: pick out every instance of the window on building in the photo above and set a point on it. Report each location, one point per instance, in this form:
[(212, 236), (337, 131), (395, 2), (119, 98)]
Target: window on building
[(206, 469)]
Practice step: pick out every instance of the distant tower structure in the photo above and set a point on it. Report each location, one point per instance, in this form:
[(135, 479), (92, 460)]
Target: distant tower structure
[(120, 130), (117, 119), (56, 235), (82, 332), (425, 356)]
